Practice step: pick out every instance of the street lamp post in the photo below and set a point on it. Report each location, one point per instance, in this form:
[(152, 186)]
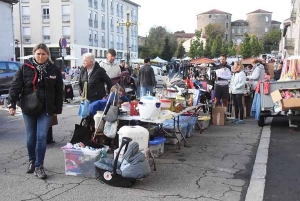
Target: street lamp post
[(128, 24)]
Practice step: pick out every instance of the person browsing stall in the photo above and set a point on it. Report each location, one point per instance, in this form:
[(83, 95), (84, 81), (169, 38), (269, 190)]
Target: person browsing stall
[(237, 85), (223, 74), (146, 79), (110, 65), (95, 76), (39, 84), (258, 73)]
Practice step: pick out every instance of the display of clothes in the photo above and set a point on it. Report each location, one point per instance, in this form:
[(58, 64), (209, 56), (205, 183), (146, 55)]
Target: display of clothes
[(291, 69)]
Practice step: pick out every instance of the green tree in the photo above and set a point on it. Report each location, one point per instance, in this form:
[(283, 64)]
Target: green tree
[(232, 49), (195, 50), (214, 30), (256, 49), (271, 40), (246, 51), (208, 47), (180, 50), (166, 53), (216, 47), (156, 41)]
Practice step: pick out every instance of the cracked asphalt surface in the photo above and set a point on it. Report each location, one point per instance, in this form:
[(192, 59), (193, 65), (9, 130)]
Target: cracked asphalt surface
[(216, 165)]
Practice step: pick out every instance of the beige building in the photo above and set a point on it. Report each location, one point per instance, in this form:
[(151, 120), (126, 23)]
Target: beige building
[(258, 22), (6, 30), (290, 41), (88, 26)]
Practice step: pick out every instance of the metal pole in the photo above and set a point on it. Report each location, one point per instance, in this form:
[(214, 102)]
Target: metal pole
[(21, 31), (127, 27)]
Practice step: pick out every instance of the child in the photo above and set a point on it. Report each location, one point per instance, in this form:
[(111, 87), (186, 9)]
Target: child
[(121, 97)]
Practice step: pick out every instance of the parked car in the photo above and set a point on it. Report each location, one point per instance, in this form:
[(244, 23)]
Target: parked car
[(159, 75), (7, 72)]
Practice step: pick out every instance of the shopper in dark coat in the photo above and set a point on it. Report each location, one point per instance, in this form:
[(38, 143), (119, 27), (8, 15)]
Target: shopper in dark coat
[(146, 79), (38, 75), (96, 78)]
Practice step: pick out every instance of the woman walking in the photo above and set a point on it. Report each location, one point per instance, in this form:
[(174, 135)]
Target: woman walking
[(39, 85), (237, 85)]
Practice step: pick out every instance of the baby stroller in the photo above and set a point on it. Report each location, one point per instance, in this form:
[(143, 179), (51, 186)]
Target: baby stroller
[(124, 174)]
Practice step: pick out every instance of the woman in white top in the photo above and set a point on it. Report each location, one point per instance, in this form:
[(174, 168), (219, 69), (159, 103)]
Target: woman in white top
[(237, 85)]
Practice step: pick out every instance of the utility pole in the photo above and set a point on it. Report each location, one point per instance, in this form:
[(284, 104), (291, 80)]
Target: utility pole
[(128, 24)]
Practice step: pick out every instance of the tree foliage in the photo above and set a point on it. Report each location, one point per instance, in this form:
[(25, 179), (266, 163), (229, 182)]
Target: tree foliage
[(166, 53), (256, 46), (271, 40), (216, 47), (180, 50), (196, 49), (246, 51), (214, 30), (156, 41)]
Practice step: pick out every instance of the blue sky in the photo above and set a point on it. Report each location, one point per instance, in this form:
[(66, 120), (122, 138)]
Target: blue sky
[(178, 15)]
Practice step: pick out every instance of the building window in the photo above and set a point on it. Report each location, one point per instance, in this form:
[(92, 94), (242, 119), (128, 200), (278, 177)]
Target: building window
[(103, 39), (25, 14), (227, 16), (226, 37), (90, 19), (90, 37), (232, 31), (46, 34), (26, 35), (111, 41), (111, 7), (96, 38), (267, 19), (226, 25), (103, 5), (121, 10), (266, 29), (111, 24), (245, 30), (65, 13), (239, 31), (103, 22), (66, 33), (118, 10), (46, 15), (121, 42), (209, 16)]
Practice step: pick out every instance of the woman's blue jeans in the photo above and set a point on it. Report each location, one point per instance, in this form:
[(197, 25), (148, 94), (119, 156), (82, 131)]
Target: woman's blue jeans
[(36, 131)]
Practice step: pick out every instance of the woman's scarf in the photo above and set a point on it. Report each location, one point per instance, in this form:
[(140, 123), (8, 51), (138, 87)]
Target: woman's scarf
[(41, 68)]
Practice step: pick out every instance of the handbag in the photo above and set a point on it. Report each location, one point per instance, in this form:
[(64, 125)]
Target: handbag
[(30, 104), (84, 107), (110, 129), (81, 134), (112, 114)]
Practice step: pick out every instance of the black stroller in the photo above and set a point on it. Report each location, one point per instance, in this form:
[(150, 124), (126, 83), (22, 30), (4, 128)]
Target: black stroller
[(114, 174)]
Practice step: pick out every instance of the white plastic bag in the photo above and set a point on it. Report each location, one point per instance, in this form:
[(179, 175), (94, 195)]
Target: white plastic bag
[(110, 129)]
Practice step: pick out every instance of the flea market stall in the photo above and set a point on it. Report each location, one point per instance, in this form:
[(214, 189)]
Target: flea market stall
[(282, 97)]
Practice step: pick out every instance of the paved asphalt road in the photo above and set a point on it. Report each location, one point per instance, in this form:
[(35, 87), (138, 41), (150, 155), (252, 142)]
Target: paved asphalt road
[(283, 170), (216, 165)]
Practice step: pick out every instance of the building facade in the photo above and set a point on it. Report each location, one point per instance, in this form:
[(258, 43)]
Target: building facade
[(88, 26), (290, 40), (6, 30), (258, 22)]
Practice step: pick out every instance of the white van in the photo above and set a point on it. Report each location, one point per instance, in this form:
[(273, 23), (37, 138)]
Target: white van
[(159, 75)]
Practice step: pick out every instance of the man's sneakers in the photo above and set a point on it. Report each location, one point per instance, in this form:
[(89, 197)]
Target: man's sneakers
[(237, 121), (30, 168), (40, 172)]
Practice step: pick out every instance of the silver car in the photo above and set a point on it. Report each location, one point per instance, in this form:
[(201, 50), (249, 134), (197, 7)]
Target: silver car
[(7, 71)]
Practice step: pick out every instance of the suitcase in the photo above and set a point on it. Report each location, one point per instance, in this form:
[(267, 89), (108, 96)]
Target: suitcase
[(69, 94)]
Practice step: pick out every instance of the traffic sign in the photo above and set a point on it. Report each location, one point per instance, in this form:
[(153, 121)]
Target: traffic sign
[(63, 42)]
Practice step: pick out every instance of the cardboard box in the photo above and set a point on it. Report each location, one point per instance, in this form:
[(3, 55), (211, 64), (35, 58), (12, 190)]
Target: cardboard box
[(219, 117), (285, 104)]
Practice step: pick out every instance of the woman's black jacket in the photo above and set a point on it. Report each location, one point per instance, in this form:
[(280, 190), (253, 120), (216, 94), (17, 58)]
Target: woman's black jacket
[(24, 82), (96, 80)]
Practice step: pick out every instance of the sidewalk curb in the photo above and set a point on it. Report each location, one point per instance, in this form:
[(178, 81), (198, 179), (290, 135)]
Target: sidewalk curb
[(256, 187)]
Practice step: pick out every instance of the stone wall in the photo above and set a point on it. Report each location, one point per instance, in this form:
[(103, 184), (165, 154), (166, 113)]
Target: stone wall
[(258, 22), (224, 19)]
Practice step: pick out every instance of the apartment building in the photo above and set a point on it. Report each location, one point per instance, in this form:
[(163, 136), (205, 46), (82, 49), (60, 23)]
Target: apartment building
[(88, 26), (290, 40), (6, 30)]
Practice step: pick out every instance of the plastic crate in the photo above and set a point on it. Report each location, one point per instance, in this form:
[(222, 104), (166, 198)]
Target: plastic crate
[(156, 146), (80, 162)]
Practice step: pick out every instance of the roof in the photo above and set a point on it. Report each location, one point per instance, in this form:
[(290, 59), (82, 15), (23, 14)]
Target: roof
[(10, 1), (239, 23), (185, 35), (132, 3), (215, 11), (259, 11), (275, 22)]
